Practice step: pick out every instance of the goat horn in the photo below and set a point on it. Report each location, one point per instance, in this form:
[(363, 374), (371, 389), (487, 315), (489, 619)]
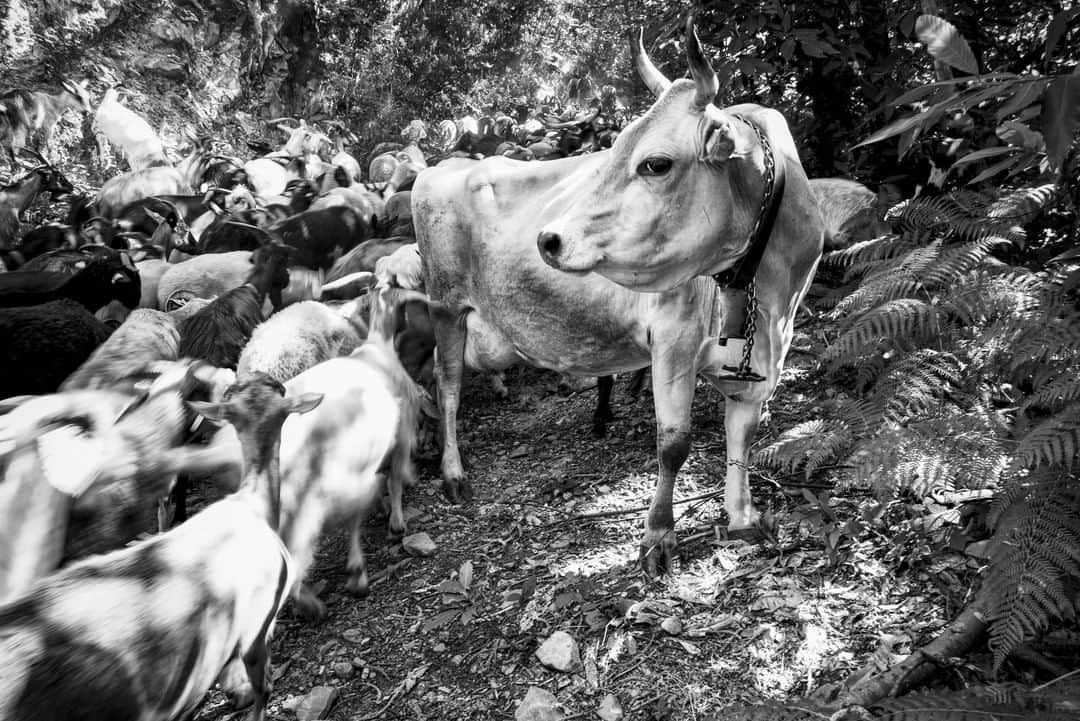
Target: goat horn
[(700, 69), (362, 275), (654, 79)]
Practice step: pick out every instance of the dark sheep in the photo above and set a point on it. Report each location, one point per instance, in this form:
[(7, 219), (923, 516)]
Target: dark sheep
[(43, 344), (321, 236), (219, 332)]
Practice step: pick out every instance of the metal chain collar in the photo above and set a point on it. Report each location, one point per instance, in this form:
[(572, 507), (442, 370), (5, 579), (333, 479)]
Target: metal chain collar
[(724, 278)]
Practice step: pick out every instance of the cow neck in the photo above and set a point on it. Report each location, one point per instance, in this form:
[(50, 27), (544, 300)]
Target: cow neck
[(741, 275)]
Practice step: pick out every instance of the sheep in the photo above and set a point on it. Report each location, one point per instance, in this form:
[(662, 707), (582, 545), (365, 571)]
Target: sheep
[(82, 468), (203, 276), (327, 475), (145, 337), (42, 345), (218, 332), (401, 269), (143, 632), (129, 131), (299, 337)]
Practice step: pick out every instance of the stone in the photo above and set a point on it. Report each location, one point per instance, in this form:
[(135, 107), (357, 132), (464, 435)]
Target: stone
[(560, 652), (316, 705), (538, 705), (418, 544), (671, 625), (343, 669), (610, 709)]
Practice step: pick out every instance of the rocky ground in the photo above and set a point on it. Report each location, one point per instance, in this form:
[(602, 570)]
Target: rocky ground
[(549, 545)]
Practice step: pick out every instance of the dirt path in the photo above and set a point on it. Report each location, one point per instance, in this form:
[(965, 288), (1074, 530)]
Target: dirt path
[(736, 624)]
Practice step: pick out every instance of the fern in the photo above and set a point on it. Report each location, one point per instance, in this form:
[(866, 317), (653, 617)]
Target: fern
[(1054, 441), (902, 320), (1037, 550)]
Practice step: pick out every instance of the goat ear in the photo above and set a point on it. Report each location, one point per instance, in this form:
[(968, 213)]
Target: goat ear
[(305, 402), (213, 411)]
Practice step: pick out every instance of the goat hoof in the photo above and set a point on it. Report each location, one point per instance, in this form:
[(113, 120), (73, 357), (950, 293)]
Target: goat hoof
[(310, 608)]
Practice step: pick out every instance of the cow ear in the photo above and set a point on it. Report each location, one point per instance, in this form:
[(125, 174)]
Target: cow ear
[(726, 138)]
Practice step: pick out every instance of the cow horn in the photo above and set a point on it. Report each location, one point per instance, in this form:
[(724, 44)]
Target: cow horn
[(702, 72), (653, 78)]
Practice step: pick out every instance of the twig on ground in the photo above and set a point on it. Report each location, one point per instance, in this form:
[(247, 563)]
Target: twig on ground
[(626, 511)]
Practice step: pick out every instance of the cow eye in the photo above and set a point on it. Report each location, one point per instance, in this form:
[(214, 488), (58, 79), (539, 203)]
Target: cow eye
[(654, 166)]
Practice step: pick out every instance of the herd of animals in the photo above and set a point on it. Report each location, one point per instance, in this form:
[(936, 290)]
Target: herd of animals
[(276, 323)]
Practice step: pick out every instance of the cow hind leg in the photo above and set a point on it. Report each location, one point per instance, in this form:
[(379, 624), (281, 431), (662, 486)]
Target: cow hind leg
[(257, 663), (740, 424), (602, 415), (673, 394), (449, 363)]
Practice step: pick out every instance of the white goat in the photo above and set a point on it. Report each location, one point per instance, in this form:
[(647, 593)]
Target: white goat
[(129, 131)]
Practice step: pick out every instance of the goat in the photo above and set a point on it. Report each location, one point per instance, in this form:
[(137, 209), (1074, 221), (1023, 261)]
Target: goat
[(397, 215), (40, 240), (17, 197), (322, 236), (87, 488), (218, 332), (159, 180), (144, 632), (26, 111), (326, 475), (127, 129), (97, 279), (365, 255)]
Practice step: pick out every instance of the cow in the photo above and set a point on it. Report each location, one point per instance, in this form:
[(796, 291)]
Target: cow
[(544, 263)]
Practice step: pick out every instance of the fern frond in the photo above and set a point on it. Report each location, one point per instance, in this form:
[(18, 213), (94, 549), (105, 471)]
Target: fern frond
[(1055, 441), (812, 443), (905, 320), (875, 291), (1055, 393), (1021, 206), (867, 252), (1036, 552)]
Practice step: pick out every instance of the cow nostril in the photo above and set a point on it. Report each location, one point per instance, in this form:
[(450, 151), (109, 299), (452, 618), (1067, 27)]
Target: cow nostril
[(549, 243)]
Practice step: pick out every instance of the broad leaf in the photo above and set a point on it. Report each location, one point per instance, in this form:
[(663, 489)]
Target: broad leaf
[(984, 153), (945, 43), (1025, 94), (1057, 29), (999, 167), (921, 120), (1061, 112)]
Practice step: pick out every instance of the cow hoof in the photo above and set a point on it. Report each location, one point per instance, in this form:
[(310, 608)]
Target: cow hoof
[(457, 490), (752, 535), (236, 686), (358, 584), (657, 556)]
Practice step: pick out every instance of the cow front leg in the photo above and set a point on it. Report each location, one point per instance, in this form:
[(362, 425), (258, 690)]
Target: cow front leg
[(673, 394), (740, 424), (449, 363)]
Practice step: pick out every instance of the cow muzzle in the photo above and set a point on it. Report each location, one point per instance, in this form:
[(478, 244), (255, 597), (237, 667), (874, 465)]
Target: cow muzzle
[(560, 255)]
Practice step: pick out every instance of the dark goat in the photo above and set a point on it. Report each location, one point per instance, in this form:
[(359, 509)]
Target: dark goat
[(42, 345), (40, 240), (17, 197), (245, 230), (96, 281), (364, 255), (218, 332), (24, 111), (321, 236)]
